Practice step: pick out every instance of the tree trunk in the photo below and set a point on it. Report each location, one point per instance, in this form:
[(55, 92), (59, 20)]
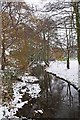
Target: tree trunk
[(3, 59), (45, 57), (68, 51), (68, 66), (76, 9)]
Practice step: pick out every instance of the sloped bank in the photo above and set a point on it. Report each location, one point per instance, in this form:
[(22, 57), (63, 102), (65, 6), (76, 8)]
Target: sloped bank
[(59, 69), (27, 84)]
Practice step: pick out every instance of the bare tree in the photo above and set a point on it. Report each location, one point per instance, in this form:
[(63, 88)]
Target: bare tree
[(62, 12), (12, 18)]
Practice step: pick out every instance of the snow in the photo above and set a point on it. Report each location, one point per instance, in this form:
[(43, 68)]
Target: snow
[(16, 88), (26, 86), (6, 52), (33, 89), (15, 103), (79, 77), (19, 105), (59, 68), (29, 78), (1, 112), (39, 111)]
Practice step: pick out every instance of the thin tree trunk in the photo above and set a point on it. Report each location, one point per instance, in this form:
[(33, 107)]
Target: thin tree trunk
[(3, 59), (68, 66), (68, 51)]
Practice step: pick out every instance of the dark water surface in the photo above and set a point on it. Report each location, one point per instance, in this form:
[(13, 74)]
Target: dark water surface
[(55, 100)]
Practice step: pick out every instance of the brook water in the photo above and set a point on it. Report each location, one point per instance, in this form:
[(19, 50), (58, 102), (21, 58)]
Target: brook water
[(54, 100)]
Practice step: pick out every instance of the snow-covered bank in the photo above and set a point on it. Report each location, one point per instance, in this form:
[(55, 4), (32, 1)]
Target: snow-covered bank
[(26, 85), (59, 69)]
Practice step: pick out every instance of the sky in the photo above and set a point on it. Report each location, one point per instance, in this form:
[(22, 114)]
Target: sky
[(37, 2), (41, 2), (33, 1)]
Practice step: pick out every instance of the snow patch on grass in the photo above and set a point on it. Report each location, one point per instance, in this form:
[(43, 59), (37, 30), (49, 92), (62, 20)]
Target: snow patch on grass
[(19, 89), (59, 68), (29, 79)]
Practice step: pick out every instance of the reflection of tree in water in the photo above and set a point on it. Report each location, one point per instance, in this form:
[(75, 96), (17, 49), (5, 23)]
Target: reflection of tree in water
[(51, 100), (50, 94), (50, 97)]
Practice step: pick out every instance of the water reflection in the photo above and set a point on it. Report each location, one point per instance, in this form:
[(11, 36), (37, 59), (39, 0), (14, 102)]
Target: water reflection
[(54, 102)]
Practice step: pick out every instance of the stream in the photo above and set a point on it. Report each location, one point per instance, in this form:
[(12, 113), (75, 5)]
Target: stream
[(53, 99)]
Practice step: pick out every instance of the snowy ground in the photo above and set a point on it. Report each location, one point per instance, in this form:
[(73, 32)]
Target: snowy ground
[(59, 69), (28, 84), (24, 86)]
